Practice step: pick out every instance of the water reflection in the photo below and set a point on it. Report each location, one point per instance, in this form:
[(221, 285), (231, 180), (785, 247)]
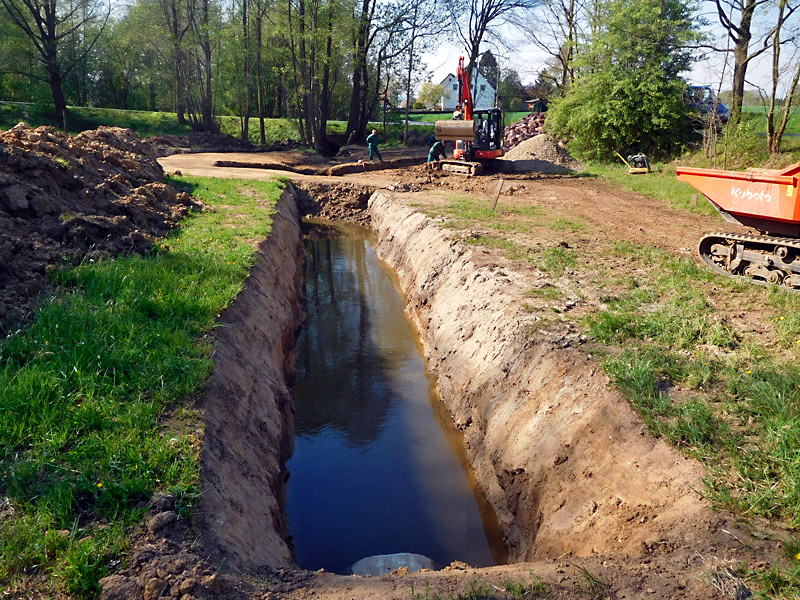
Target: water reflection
[(372, 471)]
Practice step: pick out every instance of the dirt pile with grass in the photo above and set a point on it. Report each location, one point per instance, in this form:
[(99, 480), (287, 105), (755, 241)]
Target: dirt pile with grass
[(541, 154), (66, 199)]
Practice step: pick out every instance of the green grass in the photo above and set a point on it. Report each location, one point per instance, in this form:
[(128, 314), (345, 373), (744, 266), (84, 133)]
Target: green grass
[(478, 590), (740, 409), (93, 392), (275, 130), (144, 123), (466, 211)]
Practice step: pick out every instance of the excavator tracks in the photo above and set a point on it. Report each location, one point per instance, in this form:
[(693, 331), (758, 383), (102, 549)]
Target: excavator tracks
[(760, 259), (461, 167)]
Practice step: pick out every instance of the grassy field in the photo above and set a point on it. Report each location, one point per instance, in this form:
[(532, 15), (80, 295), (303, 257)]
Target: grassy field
[(144, 123), (97, 394), (79, 119)]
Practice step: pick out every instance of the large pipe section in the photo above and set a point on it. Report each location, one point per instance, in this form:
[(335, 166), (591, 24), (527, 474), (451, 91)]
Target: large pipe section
[(455, 130)]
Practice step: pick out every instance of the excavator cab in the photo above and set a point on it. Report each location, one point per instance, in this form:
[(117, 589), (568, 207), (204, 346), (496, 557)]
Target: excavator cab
[(487, 140), (488, 130)]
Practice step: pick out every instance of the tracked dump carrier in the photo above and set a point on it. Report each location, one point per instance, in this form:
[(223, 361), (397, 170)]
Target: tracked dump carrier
[(765, 200)]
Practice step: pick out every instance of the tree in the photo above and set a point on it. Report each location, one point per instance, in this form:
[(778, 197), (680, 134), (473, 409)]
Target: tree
[(430, 94), (627, 94), (488, 67), (312, 32), (422, 23), (775, 131), (510, 90), (555, 27), (543, 88), (738, 18), (474, 19), (47, 24)]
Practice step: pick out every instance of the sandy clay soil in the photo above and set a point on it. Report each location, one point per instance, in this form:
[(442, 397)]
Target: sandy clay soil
[(65, 199)]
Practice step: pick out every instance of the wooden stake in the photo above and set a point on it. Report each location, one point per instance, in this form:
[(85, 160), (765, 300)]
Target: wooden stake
[(694, 199), (497, 193)]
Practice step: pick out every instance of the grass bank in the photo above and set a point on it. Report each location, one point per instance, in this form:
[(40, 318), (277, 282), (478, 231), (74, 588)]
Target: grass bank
[(97, 394), (711, 364)]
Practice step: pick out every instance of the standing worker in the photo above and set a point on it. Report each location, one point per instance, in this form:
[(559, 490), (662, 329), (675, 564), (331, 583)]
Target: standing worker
[(437, 150), (372, 143)]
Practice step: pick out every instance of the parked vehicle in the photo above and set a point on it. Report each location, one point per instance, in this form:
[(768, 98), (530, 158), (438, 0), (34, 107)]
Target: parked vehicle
[(703, 100), (767, 201)]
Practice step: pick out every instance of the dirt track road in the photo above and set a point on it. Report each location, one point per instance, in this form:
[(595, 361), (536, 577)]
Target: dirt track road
[(606, 209)]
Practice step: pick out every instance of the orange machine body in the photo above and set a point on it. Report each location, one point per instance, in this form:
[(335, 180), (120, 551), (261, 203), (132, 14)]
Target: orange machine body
[(764, 199)]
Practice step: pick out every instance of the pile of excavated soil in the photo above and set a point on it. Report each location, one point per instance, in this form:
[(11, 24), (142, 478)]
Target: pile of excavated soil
[(205, 141), (66, 199), (341, 201), (541, 154)]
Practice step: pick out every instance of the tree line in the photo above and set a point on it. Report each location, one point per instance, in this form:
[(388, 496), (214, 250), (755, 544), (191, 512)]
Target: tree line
[(615, 65), (311, 60)]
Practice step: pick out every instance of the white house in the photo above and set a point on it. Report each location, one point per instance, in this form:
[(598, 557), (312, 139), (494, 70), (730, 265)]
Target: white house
[(482, 93)]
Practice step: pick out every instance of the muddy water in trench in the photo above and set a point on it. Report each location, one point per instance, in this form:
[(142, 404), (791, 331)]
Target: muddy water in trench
[(378, 467)]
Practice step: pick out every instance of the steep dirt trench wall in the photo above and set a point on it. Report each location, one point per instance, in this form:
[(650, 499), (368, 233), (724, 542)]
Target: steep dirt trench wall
[(562, 457), (249, 427)]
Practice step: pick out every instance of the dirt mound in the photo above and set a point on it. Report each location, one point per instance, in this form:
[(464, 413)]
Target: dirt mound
[(343, 201), (65, 199), (542, 154), (204, 141)]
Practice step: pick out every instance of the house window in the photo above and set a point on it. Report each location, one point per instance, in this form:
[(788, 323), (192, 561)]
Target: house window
[(483, 88), (455, 87)]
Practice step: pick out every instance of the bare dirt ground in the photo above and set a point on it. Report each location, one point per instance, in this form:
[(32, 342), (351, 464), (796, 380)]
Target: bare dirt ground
[(610, 211)]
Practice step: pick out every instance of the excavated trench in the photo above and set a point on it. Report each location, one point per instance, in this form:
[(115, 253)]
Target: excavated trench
[(378, 467), (562, 459)]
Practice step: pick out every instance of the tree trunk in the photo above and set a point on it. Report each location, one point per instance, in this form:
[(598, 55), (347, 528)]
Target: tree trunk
[(260, 75), (54, 79), (248, 84), (355, 129), (741, 57), (321, 137), (207, 101)]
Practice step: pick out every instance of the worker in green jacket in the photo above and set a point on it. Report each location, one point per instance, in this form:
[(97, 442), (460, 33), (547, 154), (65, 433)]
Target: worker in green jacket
[(437, 150), (372, 143)]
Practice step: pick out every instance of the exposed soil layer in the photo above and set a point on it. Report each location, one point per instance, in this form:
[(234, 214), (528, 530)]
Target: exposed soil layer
[(67, 199), (248, 411), (340, 201)]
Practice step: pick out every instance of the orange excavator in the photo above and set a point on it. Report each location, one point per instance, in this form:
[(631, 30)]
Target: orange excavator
[(765, 200), (478, 134)]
